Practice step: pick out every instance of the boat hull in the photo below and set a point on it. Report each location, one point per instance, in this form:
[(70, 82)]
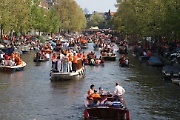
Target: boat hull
[(170, 72), (13, 68), (176, 81), (109, 58), (104, 112), (58, 76)]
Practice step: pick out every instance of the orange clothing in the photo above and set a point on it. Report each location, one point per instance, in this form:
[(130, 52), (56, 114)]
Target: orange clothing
[(75, 59), (90, 93), (12, 55), (70, 58), (18, 61), (79, 55), (96, 95), (54, 57), (84, 56)]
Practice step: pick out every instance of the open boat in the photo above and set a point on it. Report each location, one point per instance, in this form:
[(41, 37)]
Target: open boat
[(105, 112), (94, 64), (56, 75), (176, 81), (170, 72), (109, 58), (13, 68), (155, 61)]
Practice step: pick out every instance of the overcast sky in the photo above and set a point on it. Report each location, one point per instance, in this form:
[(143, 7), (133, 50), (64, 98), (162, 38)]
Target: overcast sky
[(97, 5)]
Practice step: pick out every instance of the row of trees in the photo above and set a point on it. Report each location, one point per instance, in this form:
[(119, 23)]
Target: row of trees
[(148, 18), (27, 15)]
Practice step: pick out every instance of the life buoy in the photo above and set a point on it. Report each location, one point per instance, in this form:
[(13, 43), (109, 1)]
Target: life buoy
[(127, 115), (86, 114)]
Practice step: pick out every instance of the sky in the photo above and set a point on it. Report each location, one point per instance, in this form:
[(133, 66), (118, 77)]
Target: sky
[(97, 5)]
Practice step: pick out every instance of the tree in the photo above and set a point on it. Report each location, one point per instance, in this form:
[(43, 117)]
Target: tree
[(148, 17), (71, 16), (95, 20)]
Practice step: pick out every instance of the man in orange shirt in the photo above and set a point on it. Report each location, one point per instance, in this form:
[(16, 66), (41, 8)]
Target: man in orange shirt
[(70, 60), (74, 65)]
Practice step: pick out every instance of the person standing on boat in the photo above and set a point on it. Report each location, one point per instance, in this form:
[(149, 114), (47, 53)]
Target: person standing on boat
[(54, 60), (119, 90), (70, 60), (59, 62), (65, 63), (74, 62), (84, 58)]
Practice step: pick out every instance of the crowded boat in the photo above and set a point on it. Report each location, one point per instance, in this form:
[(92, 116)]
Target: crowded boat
[(11, 63), (101, 104), (67, 65)]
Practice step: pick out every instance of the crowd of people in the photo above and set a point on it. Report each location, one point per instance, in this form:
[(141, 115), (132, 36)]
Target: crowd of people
[(66, 60)]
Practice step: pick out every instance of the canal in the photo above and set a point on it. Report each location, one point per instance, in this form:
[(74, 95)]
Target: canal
[(30, 95)]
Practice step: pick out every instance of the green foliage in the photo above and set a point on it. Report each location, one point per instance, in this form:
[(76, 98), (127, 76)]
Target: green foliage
[(71, 16), (148, 17), (96, 19), (25, 15)]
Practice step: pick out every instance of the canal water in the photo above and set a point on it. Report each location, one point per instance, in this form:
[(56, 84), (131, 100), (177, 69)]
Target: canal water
[(30, 95)]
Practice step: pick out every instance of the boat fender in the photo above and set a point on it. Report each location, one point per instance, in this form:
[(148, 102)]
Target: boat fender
[(127, 115), (86, 114)]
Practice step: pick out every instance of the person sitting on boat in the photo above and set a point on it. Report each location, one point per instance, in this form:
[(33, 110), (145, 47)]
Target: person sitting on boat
[(98, 61), (144, 53), (94, 103), (1, 56), (11, 62), (100, 91), (122, 59), (96, 94), (116, 102), (126, 61), (18, 60), (100, 58), (13, 56), (92, 61), (90, 92), (86, 61), (6, 56)]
